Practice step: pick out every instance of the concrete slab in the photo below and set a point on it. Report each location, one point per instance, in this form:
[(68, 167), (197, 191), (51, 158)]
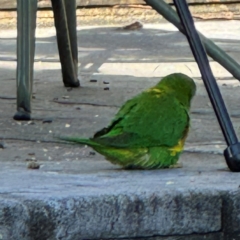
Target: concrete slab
[(76, 194)]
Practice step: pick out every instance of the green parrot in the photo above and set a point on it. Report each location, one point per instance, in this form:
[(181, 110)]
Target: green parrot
[(149, 130)]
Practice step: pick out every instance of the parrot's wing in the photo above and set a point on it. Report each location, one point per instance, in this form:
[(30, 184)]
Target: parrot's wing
[(126, 109), (149, 119)]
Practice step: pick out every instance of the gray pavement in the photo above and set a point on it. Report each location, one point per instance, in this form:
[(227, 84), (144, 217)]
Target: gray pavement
[(76, 194)]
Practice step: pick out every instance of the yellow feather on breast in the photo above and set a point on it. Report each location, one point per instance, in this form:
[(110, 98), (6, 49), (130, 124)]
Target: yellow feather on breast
[(179, 147)]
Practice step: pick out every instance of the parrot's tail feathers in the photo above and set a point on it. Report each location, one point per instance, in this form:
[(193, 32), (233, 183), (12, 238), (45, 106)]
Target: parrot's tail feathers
[(79, 141)]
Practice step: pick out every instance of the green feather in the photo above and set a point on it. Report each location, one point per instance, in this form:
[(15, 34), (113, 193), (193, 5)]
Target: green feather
[(149, 130)]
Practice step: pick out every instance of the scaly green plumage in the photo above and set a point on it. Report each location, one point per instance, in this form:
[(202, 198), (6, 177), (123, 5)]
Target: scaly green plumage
[(149, 130)]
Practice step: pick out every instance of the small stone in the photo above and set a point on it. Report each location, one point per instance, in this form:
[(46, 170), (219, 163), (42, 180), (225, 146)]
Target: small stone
[(33, 165), (92, 153), (65, 97), (2, 145), (93, 80), (133, 26), (47, 120)]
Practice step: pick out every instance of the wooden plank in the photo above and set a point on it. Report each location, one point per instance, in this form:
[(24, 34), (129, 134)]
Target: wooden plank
[(12, 4)]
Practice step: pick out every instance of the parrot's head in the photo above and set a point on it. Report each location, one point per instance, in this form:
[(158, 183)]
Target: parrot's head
[(182, 86)]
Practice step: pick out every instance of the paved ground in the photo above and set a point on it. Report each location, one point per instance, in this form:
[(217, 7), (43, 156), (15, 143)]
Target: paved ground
[(77, 194)]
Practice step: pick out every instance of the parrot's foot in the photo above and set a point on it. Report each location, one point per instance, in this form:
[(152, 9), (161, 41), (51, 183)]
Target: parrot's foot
[(70, 83), (22, 115), (176, 165)]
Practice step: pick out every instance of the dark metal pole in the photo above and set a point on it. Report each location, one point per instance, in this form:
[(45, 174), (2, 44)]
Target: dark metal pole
[(232, 153), (26, 24), (65, 23), (72, 27), (211, 48)]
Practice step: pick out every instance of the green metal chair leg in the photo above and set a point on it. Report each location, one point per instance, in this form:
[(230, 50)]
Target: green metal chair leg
[(212, 49), (65, 23), (26, 25), (72, 26)]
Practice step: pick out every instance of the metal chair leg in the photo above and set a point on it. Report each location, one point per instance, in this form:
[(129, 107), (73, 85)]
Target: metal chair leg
[(232, 152), (65, 23), (212, 49), (72, 27), (26, 25)]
